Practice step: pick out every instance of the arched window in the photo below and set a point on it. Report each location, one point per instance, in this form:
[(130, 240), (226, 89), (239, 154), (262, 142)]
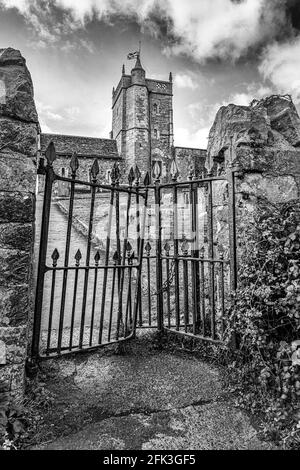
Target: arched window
[(63, 172), (155, 133), (108, 177)]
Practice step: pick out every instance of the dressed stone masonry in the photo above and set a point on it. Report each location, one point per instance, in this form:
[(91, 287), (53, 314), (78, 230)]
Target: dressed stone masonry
[(18, 150), (263, 141)]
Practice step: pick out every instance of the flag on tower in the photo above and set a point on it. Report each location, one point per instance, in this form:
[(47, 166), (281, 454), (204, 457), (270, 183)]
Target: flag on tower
[(133, 55)]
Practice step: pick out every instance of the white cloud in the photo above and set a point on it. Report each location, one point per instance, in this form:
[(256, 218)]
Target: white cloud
[(200, 29), (185, 138), (47, 113), (185, 81), (281, 65)]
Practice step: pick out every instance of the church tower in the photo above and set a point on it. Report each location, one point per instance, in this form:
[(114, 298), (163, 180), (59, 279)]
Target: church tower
[(142, 121)]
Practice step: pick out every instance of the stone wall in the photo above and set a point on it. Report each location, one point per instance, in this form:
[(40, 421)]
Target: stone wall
[(190, 158), (18, 149), (265, 149)]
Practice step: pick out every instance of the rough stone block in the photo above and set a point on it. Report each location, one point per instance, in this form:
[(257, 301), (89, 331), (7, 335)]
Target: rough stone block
[(16, 207), (12, 378), (277, 189), (16, 236), (18, 137), (16, 79), (2, 353), (18, 173), (15, 305), (15, 340), (14, 267)]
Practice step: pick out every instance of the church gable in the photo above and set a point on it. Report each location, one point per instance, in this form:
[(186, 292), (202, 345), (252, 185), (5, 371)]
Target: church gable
[(83, 146)]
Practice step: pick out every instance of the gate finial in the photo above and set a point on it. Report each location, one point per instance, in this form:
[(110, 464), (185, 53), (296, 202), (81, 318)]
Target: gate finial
[(156, 171), (147, 179), (74, 164), (174, 170), (55, 256), (50, 153), (131, 176), (78, 257)]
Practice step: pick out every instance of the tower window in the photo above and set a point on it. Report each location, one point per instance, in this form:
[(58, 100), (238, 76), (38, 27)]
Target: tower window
[(155, 108), (108, 176), (155, 133)]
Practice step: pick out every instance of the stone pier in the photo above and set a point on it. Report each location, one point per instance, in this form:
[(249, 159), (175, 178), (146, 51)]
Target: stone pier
[(18, 152)]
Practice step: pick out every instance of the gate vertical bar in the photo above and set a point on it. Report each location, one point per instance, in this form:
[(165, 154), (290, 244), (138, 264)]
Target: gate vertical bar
[(232, 239), (211, 258), (174, 174), (94, 174), (158, 256), (49, 179)]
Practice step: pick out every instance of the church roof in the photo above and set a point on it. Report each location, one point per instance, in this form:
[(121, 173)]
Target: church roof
[(82, 146)]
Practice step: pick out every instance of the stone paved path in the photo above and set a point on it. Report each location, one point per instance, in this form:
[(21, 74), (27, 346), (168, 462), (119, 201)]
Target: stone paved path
[(144, 398)]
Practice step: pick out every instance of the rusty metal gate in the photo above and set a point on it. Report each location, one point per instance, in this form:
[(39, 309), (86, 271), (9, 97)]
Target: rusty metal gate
[(152, 255), (88, 296), (196, 253)]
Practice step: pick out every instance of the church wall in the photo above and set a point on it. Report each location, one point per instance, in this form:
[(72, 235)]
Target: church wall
[(160, 116), (137, 125), (83, 172), (190, 157), (18, 154)]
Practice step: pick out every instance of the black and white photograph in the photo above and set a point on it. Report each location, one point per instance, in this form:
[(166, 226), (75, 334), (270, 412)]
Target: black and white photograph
[(149, 228)]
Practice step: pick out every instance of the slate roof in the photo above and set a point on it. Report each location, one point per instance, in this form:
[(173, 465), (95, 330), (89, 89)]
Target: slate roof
[(82, 146)]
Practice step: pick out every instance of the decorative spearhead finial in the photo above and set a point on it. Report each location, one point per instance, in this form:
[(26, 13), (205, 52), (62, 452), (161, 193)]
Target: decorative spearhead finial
[(156, 171), (74, 164), (131, 176), (123, 70), (191, 172), (147, 179), (167, 248), (174, 170), (55, 256), (137, 175), (97, 258), (50, 153), (95, 170)]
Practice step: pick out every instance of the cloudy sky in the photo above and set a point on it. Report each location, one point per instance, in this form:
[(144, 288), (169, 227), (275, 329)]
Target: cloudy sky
[(219, 51)]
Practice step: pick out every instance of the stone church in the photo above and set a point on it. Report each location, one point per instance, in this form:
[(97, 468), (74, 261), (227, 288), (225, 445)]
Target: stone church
[(142, 133)]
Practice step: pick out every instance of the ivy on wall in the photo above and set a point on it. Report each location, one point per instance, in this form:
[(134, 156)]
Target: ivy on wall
[(266, 318)]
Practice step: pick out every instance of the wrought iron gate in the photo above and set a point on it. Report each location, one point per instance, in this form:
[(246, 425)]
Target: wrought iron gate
[(196, 259), (167, 259), (89, 299)]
